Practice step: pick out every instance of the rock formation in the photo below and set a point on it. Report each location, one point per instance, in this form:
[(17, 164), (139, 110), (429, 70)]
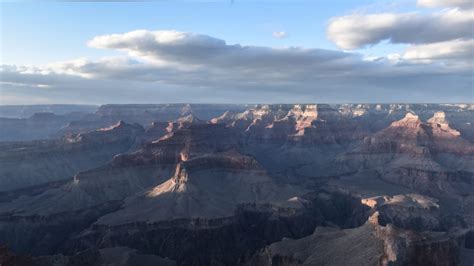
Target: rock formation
[(265, 184)]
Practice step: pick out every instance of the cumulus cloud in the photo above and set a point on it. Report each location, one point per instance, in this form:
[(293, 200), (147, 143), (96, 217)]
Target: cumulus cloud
[(172, 66), (359, 30), (279, 34), (189, 50), (441, 37), (162, 46)]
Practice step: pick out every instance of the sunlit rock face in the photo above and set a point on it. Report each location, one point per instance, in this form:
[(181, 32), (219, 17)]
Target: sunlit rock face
[(417, 154), (265, 184)]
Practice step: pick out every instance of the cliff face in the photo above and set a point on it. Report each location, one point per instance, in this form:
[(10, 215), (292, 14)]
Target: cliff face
[(374, 184), (208, 186), (427, 156), (24, 164), (231, 239), (369, 244)]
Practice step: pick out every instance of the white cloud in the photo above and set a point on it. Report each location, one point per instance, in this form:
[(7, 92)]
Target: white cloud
[(161, 47), (359, 30), (279, 34), (461, 50), (171, 66), (446, 3), (190, 52)]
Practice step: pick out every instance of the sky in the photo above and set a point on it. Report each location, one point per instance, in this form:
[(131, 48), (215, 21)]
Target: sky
[(238, 51)]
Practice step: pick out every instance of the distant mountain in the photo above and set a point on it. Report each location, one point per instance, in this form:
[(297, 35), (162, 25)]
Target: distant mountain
[(26, 111)]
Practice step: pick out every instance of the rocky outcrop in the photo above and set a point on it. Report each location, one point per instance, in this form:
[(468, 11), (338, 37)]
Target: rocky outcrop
[(413, 212), (113, 133), (326, 246), (369, 244)]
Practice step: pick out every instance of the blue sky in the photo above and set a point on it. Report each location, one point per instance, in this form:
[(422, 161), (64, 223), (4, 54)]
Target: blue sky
[(36, 34)]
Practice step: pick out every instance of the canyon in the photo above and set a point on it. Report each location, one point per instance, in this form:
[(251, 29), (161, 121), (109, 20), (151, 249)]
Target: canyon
[(242, 184)]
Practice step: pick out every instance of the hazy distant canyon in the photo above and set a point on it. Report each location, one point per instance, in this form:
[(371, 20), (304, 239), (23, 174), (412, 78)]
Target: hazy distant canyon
[(204, 184)]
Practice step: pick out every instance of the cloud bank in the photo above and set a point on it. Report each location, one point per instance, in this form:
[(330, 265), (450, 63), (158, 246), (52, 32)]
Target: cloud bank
[(174, 66)]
